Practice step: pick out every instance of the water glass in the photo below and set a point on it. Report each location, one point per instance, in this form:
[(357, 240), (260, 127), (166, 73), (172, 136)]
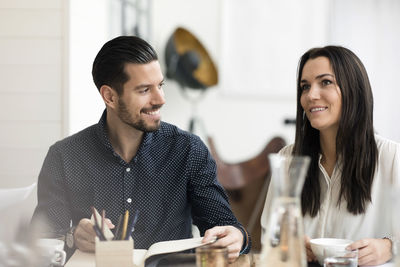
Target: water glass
[(254, 259), (209, 256), (340, 257)]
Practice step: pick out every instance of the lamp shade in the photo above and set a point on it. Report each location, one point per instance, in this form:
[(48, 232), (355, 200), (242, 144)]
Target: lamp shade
[(188, 62)]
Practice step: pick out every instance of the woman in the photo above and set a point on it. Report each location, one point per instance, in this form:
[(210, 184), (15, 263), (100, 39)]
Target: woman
[(344, 189)]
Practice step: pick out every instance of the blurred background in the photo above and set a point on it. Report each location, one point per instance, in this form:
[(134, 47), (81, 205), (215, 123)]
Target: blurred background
[(47, 48)]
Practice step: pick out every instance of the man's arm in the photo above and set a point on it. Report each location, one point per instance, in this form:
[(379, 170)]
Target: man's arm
[(210, 206), (53, 210)]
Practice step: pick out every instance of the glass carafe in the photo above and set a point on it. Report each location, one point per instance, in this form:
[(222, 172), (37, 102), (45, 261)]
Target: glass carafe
[(395, 213), (283, 243)]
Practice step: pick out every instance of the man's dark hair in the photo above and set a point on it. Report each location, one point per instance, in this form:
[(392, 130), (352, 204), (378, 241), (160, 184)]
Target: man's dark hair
[(109, 64), (355, 142)]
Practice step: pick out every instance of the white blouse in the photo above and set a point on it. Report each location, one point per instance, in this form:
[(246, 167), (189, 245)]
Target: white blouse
[(336, 222)]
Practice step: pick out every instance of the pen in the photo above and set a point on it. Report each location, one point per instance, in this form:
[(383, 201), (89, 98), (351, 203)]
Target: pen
[(99, 233), (125, 225), (132, 225)]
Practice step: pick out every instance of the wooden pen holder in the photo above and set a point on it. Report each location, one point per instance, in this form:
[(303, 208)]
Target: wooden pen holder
[(114, 253)]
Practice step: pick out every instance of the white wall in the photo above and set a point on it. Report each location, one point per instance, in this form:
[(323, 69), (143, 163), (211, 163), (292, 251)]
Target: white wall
[(257, 44), (240, 124), (371, 28), (33, 60), (88, 32)]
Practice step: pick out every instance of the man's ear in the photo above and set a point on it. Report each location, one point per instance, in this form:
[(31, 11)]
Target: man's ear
[(109, 96)]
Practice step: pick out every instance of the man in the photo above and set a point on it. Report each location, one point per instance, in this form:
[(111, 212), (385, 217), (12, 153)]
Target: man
[(132, 161)]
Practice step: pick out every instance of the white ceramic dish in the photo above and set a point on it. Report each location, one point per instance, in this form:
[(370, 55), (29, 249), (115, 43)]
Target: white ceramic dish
[(319, 244)]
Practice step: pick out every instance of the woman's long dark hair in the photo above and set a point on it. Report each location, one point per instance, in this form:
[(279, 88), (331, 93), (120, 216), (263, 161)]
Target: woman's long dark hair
[(355, 143)]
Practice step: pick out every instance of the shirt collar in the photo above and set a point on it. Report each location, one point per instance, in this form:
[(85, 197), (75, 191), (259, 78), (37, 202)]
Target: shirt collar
[(102, 132), (147, 138), (338, 167), (339, 161)]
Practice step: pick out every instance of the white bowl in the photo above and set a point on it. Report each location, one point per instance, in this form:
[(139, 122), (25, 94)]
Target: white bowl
[(319, 244)]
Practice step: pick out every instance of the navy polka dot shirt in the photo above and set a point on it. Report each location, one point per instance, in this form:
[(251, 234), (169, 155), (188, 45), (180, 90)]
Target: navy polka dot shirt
[(171, 181)]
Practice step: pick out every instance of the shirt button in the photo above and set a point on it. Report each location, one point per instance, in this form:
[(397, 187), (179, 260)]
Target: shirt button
[(129, 200), (128, 169)]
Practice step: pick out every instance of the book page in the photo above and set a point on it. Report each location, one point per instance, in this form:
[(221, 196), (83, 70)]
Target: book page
[(175, 246), (139, 257)]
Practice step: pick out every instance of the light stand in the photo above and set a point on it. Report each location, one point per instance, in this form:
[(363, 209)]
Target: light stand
[(190, 65), (195, 121)]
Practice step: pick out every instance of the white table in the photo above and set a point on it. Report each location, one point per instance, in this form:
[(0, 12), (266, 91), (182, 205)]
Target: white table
[(82, 259)]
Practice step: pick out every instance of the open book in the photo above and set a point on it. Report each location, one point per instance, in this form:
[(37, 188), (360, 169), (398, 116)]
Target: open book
[(151, 257)]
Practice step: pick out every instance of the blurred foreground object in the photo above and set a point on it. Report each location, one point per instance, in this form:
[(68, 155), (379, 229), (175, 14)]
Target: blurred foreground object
[(395, 199), (12, 207), (17, 238), (283, 243)]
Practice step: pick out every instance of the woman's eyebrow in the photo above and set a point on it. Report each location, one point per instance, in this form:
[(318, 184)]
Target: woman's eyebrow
[(325, 74)]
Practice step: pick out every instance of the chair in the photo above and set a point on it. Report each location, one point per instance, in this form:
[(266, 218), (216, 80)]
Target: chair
[(247, 184)]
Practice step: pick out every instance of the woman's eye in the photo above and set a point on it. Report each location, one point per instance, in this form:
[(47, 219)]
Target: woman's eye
[(305, 87), (326, 82)]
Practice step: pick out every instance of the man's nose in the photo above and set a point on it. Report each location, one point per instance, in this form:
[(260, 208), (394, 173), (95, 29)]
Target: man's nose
[(158, 97)]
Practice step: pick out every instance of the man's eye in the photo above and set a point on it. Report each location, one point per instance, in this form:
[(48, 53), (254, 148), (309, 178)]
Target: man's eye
[(144, 91), (161, 85)]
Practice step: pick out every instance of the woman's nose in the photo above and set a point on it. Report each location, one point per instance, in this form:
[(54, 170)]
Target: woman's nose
[(314, 92)]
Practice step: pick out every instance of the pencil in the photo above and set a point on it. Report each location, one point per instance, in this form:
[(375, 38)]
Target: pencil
[(103, 217), (125, 225), (118, 229)]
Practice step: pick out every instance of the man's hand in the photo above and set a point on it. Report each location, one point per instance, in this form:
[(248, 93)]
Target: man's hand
[(372, 251), (84, 235), (227, 236), (310, 254)]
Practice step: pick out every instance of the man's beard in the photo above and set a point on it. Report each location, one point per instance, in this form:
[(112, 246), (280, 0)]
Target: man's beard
[(140, 125)]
